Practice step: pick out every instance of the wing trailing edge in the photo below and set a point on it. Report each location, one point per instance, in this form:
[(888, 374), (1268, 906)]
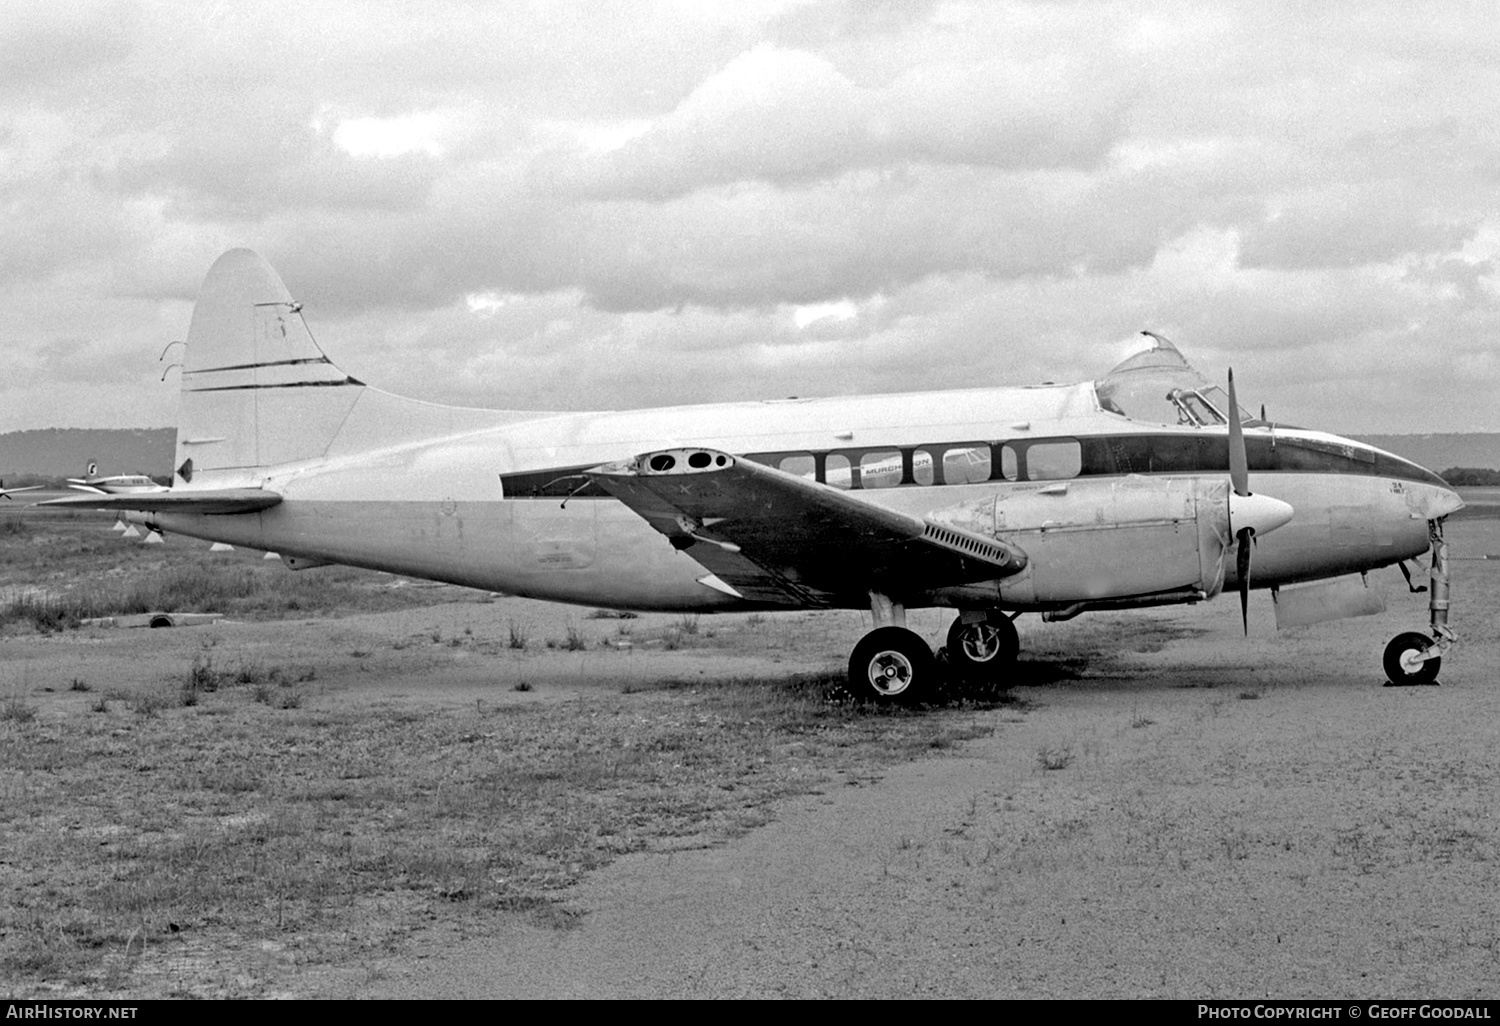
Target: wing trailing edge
[(777, 537)]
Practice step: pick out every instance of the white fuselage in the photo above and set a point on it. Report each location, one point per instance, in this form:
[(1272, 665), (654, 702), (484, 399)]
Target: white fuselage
[(488, 506)]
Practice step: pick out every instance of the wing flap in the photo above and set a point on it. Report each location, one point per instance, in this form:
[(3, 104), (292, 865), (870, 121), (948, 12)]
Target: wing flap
[(769, 533), (218, 502)]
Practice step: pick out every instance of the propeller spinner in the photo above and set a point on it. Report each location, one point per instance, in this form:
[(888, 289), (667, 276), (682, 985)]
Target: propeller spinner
[(1250, 515)]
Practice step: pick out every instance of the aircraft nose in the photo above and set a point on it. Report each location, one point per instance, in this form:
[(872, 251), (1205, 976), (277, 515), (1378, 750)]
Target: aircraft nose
[(1261, 513), (1446, 501)]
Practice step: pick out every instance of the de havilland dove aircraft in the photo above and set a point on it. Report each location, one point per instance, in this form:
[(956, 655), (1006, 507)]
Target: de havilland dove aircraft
[(1147, 487)]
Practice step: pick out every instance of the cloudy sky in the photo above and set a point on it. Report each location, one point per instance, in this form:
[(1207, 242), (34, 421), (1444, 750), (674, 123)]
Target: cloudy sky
[(591, 205)]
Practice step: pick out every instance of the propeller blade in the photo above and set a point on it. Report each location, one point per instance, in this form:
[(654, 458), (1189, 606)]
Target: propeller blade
[(1239, 463), (1242, 572)]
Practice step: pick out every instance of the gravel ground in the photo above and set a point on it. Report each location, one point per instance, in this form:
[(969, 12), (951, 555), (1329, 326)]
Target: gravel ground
[(1235, 818)]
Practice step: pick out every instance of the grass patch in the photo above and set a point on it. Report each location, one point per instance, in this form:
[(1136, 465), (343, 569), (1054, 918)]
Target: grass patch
[(331, 833), (104, 575)]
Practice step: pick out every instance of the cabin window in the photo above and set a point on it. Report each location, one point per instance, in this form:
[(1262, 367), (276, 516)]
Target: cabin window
[(1010, 463), (921, 467), (967, 465), (880, 469), (1052, 461), (802, 464), (838, 473)]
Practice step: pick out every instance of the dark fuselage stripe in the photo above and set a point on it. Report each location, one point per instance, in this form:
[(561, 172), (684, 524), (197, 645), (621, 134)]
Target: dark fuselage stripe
[(269, 363), (287, 384)]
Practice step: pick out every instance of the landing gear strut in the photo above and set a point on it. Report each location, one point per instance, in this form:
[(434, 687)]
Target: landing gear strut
[(1413, 658), (982, 647)]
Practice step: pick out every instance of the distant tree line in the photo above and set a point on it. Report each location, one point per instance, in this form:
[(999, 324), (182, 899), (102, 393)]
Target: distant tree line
[(1472, 476)]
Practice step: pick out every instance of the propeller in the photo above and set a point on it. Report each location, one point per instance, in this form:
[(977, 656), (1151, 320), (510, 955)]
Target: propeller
[(1249, 514)]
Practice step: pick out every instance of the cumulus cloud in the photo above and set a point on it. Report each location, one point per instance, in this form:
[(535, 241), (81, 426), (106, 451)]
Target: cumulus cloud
[(584, 205), (789, 117)]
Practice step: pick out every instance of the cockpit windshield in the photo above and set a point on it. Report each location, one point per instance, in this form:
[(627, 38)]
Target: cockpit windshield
[(1159, 386)]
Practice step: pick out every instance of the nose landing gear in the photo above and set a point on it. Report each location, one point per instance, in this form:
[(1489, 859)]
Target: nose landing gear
[(1413, 658)]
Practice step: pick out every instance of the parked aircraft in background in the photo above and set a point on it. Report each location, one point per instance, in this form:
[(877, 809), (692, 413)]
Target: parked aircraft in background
[(8, 492), (1147, 487), (119, 484)]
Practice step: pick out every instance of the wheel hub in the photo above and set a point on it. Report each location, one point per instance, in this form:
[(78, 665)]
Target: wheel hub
[(890, 673), (1411, 660), (981, 642)]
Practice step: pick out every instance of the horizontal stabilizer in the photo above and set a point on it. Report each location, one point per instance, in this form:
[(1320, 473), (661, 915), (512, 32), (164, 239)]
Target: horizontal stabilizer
[(208, 501)]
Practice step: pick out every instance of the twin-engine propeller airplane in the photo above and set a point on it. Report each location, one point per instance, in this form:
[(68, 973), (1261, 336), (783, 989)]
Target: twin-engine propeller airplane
[(1147, 487), (118, 484)]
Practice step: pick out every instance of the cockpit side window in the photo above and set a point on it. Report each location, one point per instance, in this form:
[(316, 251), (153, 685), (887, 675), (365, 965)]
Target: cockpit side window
[(1194, 409)]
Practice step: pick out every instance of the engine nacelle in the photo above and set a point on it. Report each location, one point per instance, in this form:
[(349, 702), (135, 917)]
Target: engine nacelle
[(1101, 540)]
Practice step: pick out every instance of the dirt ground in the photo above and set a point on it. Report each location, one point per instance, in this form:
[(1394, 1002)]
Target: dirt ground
[(1186, 813)]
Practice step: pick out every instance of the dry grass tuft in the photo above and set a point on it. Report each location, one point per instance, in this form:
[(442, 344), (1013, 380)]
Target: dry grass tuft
[(1055, 757), (15, 708)]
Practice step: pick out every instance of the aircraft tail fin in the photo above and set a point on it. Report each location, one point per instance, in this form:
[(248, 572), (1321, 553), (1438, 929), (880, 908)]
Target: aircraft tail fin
[(256, 388)]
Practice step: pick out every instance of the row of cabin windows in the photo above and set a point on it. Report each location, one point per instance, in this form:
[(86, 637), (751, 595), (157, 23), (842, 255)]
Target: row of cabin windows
[(1048, 459)]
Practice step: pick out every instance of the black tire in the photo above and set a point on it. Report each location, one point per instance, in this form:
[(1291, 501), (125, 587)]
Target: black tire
[(985, 651), (892, 664), (1406, 644)]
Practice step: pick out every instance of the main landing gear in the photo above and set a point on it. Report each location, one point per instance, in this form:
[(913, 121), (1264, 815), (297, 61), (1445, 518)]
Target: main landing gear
[(982, 647), (893, 664), (1413, 658)]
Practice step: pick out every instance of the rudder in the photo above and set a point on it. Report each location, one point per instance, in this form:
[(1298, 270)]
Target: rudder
[(256, 389)]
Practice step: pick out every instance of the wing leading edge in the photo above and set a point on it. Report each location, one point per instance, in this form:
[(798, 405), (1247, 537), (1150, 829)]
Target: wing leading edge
[(778, 538)]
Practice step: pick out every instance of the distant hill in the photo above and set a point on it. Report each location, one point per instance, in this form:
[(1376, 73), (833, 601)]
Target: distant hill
[(66, 452)]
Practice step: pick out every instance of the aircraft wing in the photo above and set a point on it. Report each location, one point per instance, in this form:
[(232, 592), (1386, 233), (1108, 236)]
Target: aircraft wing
[(776, 537), (215, 501)]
